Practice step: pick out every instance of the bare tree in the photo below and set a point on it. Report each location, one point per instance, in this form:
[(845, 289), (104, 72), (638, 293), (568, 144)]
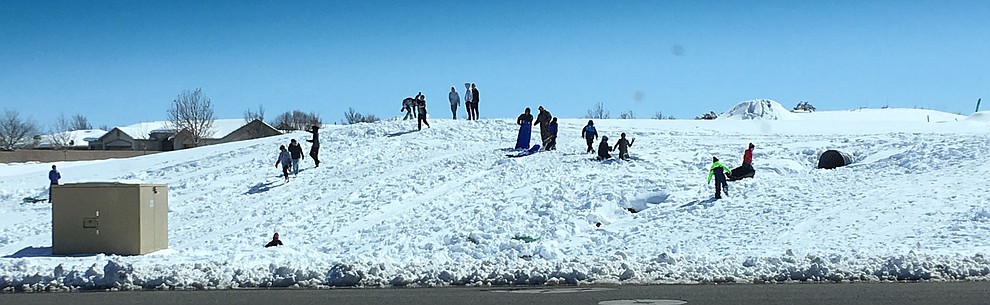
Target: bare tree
[(192, 111), (659, 116), (296, 120), (598, 112), (79, 122), (13, 129), (627, 115), (60, 132), (250, 116), (353, 117)]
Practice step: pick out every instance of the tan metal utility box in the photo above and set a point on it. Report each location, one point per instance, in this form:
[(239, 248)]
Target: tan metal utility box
[(117, 218)]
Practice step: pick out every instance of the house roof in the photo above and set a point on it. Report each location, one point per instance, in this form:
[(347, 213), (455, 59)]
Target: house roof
[(78, 137), (222, 128)]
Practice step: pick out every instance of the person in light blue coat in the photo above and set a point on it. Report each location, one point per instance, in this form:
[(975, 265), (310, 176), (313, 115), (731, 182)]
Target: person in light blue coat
[(455, 100), (285, 160)]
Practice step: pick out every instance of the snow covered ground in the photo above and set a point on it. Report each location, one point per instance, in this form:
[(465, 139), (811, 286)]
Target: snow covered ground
[(444, 206)]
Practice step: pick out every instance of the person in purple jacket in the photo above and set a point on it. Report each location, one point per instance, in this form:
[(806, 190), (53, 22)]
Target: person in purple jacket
[(53, 176)]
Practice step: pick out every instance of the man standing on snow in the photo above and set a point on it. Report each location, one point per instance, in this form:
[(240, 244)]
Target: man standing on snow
[(468, 100), (589, 134), (295, 151), (474, 100), (719, 171), (314, 151), (455, 100), (53, 177), (421, 108), (543, 119)]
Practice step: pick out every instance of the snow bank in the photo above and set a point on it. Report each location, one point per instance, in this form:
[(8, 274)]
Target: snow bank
[(443, 206), (982, 116), (760, 109)]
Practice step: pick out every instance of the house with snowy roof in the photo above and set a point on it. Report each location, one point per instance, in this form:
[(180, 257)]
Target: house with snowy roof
[(158, 136)]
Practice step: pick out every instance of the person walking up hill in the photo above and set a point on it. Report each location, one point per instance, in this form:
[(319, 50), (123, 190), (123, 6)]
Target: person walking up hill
[(719, 171), (314, 151), (589, 134)]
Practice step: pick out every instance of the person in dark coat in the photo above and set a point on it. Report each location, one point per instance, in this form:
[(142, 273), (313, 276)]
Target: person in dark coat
[(416, 99), (552, 135), (525, 129), (421, 109), (455, 100), (604, 149), (285, 160), (53, 177), (623, 145), (314, 151), (296, 152), (719, 171), (407, 106), (543, 119), (589, 134), (275, 241), (474, 100)]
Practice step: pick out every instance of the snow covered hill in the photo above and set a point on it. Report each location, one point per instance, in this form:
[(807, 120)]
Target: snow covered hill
[(444, 206)]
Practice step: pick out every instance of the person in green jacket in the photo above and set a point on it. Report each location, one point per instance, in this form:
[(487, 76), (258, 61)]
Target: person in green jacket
[(719, 171)]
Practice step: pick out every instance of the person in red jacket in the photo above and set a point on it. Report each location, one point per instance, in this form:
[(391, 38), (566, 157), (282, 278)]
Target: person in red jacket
[(745, 170)]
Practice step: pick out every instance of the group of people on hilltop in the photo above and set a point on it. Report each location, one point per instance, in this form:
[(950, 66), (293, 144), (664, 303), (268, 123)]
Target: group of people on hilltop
[(288, 158), (415, 107), (590, 133)]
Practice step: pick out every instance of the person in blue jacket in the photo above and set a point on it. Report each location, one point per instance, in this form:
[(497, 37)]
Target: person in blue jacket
[(590, 134), (285, 160), (719, 171), (53, 177)]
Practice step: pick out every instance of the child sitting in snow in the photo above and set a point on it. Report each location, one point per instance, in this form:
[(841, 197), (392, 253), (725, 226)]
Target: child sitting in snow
[(274, 242), (603, 149)]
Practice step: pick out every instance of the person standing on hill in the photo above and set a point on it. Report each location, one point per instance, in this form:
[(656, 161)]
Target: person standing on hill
[(719, 171), (296, 152), (314, 150), (53, 177), (604, 149), (543, 119), (552, 135), (468, 100), (589, 134), (285, 160), (623, 145), (421, 109), (525, 129), (455, 100), (474, 100)]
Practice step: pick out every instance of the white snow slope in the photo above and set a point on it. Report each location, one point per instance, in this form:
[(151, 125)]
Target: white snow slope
[(444, 206)]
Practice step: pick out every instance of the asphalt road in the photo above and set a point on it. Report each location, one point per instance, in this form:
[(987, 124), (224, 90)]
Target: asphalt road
[(977, 293)]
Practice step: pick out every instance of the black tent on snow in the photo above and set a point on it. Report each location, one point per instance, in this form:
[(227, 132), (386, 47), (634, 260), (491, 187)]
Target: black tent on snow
[(831, 159)]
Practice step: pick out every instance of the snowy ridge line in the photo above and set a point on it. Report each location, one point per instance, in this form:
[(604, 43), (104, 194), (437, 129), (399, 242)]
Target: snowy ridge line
[(665, 269)]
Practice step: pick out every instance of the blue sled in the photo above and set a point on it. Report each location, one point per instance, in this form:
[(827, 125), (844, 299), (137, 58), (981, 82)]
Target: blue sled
[(528, 152)]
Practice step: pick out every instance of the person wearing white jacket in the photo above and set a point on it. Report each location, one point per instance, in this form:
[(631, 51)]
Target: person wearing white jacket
[(455, 100), (468, 101)]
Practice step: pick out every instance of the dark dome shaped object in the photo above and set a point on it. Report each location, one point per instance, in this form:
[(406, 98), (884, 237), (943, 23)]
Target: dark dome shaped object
[(831, 159)]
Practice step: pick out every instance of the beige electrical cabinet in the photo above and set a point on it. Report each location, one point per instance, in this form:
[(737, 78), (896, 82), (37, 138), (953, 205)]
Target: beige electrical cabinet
[(113, 218)]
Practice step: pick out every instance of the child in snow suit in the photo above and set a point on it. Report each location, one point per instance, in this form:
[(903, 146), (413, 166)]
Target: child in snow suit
[(603, 149), (552, 138), (295, 151), (285, 160), (589, 134), (314, 150), (623, 145), (719, 171), (274, 242)]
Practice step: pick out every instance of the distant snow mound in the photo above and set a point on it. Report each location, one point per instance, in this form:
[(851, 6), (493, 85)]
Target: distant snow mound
[(761, 109), (982, 116)]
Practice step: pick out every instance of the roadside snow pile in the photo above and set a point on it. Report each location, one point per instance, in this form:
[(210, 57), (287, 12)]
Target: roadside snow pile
[(982, 116), (760, 109)]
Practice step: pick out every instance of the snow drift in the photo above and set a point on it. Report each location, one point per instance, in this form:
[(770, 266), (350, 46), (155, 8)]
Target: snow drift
[(760, 109), (444, 206)]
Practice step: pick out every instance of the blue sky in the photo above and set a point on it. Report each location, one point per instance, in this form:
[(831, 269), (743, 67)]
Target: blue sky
[(121, 62)]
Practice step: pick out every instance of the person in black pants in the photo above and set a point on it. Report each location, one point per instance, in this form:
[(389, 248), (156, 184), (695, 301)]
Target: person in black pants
[(590, 134), (314, 151), (474, 100), (421, 105)]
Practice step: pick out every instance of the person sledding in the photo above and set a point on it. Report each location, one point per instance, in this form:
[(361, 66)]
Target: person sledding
[(274, 242), (719, 171), (604, 149), (745, 170), (525, 122), (623, 145)]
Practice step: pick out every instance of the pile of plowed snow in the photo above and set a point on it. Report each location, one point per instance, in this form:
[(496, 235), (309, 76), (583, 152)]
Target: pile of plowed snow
[(760, 109)]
